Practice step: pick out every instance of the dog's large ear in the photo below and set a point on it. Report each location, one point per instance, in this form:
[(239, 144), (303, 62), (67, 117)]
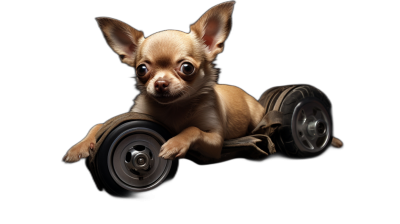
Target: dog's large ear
[(214, 26), (122, 38)]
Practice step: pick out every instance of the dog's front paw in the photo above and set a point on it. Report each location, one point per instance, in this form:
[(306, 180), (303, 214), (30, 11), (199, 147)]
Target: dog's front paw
[(174, 148), (78, 151)]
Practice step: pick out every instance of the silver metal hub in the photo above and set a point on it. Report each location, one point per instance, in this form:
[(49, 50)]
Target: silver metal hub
[(317, 128), (311, 125), (133, 159), (139, 160)]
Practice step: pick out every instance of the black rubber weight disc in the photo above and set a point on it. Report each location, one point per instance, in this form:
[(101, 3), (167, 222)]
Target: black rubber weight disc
[(307, 123), (111, 181)]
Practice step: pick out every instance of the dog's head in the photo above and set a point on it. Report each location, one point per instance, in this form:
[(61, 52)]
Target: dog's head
[(172, 65)]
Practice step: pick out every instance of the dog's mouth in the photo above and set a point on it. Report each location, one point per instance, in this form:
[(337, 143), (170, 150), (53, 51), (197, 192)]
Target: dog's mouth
[(165, 98)]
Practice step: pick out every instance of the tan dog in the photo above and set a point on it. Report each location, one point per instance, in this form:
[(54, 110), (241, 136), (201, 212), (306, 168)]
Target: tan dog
[(177, 82)]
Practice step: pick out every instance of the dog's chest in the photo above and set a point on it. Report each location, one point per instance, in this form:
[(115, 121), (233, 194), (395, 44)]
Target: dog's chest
[(202, 115)]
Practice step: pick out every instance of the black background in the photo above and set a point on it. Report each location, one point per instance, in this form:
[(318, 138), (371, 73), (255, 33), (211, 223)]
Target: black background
[(269, 45)]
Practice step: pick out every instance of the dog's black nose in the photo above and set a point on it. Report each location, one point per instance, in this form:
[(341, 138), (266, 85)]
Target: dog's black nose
[(161, 85)]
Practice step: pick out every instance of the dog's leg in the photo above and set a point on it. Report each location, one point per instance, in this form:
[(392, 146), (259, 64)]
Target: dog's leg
[(81, 149), (207, 143)]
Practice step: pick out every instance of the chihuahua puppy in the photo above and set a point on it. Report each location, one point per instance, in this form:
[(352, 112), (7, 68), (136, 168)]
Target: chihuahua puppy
[(178, 85)]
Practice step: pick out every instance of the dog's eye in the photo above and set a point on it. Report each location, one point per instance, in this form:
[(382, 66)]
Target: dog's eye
[(187, 68), (141, 70)]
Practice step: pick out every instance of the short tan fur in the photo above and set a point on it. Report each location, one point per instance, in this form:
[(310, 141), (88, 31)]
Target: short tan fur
[(178, 85)]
